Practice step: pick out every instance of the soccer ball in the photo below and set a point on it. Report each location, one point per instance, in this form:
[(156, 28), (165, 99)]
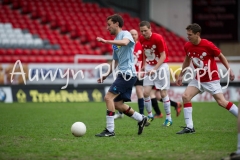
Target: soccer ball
[(78, 129)]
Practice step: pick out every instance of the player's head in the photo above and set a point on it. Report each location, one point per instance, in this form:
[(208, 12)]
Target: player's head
[(193, 33), (134, 34), (114, 22), (145, 29)]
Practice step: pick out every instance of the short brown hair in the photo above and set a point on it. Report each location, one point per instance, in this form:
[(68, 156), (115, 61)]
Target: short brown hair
[(145, 23), (116, 18), (194, 27)]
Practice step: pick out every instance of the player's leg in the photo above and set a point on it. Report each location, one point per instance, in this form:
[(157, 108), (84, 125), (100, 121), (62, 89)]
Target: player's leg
[(139, 91), (154, 93), (109, 131), (188, 94), (163, 84), (167, 108), (215, 89), (125, 96), (148, 103), (127, 110), (231, 107), (176, 105)]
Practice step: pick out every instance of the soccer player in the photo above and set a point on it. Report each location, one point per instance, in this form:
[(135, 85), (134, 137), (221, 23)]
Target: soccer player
[(202, 53), (156, 68), (138, 58), (121, 89)]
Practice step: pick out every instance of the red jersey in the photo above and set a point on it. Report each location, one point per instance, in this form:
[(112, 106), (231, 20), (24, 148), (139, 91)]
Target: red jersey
[(138, 56), (202, 56), (152, 48)]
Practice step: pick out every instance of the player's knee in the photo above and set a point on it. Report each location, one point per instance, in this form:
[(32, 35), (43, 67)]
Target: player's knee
[(221, 103), (107, 98), (186, 97)]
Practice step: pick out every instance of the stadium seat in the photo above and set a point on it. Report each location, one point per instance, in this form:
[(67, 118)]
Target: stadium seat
[(55, 28)]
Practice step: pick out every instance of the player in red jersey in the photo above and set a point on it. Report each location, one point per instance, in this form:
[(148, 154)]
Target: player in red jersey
[(202, 53), (156, 68)]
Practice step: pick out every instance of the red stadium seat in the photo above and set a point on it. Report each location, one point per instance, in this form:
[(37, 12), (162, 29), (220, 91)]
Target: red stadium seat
[(63, 22)]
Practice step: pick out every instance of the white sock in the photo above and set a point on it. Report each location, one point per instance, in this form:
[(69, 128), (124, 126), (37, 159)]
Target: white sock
[(238, 144), (148, 105), (110, 123), (188, 114), (137, 116), (167, 108), (234, 110)]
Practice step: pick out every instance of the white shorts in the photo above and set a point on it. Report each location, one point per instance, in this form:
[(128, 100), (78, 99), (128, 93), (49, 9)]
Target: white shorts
[(161, 80), (212, 87)]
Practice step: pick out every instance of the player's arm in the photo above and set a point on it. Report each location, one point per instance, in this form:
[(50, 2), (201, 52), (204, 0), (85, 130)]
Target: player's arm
[(161, 60), (113, 64), (122, 42), (224, 61), (185, 64)]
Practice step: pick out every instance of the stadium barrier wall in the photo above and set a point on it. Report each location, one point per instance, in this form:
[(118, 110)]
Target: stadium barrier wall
[(92, 93), (78, 73)]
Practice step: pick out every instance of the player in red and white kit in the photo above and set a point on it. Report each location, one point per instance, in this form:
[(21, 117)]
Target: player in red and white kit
[(156, 68), (202, 53)]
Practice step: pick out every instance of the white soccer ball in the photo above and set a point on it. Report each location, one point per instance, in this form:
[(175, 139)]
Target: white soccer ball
[(78, 129)]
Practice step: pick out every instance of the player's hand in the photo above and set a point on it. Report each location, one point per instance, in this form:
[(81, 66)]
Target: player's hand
[(100, 80), (151, 72), (179, 81), (99, 39), (231, 76), (141, 75)]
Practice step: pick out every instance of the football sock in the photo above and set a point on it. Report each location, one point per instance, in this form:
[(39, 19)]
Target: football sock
[(141, 105), (148, 104), (238, 144), (166, 104), (127, 112), (232, 108), (188, 114), (155, 106), (110, 121), (137, 116), (173, 103)]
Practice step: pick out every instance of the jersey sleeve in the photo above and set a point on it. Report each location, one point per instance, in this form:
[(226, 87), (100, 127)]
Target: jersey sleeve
[(160, 44), (215, 50), (128, 36)]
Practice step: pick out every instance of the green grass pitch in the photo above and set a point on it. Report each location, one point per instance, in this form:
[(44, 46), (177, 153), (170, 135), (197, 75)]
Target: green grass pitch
[(41, 131)]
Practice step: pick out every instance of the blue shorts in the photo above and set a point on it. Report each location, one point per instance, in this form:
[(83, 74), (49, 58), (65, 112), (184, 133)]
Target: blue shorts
[(123, 87)]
